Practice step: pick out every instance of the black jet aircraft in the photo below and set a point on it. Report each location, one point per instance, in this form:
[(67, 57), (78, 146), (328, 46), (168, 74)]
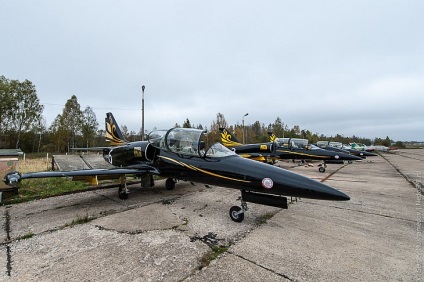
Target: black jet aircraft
[(283, 148), (180, 154), (264, 152), (339, 147), (293, 148)]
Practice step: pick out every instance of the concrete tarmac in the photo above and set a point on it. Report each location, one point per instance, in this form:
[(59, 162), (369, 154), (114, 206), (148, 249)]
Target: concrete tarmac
[(187, 235)]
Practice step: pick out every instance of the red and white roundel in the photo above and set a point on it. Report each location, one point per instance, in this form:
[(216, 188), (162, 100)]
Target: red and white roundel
[(336, 157), (267, 183)]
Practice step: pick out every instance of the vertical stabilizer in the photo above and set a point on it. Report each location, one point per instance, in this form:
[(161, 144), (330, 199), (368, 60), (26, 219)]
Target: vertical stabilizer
[(113, 133), (227, 139), (272, 137)]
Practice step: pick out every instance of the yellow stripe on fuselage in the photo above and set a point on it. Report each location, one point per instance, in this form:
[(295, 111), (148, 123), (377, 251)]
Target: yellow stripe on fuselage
[(303, 154), (202, 170)]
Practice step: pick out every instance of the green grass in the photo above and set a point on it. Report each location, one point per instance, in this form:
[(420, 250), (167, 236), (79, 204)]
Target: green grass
[(264, 218), (40, 188), (211, 255), (80, 220), (26, 236)]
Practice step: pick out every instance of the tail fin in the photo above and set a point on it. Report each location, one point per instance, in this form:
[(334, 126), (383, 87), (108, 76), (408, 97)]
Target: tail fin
[(227, 139), (113, 133), (272, 137)]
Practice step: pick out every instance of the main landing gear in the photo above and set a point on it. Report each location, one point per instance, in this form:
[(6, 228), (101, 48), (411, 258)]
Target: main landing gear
[(146, 181), (322, 167), (123, 190), (170, 184)]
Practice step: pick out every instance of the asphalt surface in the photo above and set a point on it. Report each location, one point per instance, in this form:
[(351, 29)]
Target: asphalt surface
[(187, 235)]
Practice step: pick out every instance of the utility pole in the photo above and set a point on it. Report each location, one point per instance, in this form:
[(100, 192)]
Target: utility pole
[(142, 112), (243, 125)]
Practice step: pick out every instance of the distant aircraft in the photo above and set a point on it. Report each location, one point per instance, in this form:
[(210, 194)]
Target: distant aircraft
[(284, 148), (264, 152), (357, 146), (180, 154), (296, 148), (377, 148), (337, 146)]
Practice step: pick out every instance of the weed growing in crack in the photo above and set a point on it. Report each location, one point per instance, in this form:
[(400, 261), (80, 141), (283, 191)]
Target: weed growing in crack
[(26, 236), (80, 220), (211, 255)]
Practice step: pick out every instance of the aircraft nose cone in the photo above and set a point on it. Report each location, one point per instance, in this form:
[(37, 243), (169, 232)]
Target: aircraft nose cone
[(296, 185), (320, 191), (324, 192), (350, 157)]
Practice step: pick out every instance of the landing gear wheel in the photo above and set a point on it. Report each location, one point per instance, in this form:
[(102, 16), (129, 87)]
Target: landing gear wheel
[(321, 169), (236, 214), (170, 184), (122, 193)]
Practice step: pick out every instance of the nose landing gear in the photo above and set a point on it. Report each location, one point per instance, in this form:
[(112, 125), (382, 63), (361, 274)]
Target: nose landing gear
[(237, 213)]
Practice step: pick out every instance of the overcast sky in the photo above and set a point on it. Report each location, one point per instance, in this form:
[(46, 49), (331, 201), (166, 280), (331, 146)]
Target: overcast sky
[(331, 67)]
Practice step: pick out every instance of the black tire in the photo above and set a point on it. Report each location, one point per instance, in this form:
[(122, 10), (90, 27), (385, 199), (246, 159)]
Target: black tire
[(321, 169), (170, 184), (235, 216), (123, 195)]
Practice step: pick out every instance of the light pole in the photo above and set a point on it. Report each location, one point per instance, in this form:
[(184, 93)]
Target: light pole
[(142, 112), (243, 124)]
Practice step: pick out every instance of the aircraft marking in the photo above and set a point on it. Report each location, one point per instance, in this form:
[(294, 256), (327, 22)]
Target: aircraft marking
[(267, 183)]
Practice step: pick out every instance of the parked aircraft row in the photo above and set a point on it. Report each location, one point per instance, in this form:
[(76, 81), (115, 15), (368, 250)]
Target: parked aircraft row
[(294, 149), (180, 154), (339, 147)]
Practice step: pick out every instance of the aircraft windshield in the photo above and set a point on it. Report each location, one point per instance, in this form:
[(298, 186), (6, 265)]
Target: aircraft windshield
[(219, 150), (283, 141), (313, 147), (336, 144), (323, 143)]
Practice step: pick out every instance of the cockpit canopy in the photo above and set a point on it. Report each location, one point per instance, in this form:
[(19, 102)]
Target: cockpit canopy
[(293, 142), (336, 144), (187, 141)]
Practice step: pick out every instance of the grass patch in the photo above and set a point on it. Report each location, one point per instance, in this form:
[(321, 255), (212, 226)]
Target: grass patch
[(26, 236), (264, 218), (39, 188), (211, 255), (80, 220), (32, 189)]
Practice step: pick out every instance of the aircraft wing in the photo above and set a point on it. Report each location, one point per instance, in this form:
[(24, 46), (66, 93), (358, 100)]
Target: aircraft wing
[(91, 149), (13, 178)]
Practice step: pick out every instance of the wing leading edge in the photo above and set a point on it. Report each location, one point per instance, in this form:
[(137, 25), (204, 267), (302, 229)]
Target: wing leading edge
[(14, 177)]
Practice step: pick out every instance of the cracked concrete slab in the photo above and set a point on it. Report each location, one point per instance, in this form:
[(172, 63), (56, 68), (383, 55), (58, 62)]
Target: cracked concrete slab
[(147, 218), (86, 253), (234, 268)]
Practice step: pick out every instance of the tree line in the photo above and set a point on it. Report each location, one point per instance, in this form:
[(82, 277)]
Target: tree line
[(23, 126)]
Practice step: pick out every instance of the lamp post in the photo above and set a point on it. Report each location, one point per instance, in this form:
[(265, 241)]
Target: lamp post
[(142, 112), (243, 124)]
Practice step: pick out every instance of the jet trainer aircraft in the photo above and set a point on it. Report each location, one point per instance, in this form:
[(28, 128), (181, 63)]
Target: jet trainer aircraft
[(287, 148), (337, 146), (180, 154), (264, 152), (284, 148)]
